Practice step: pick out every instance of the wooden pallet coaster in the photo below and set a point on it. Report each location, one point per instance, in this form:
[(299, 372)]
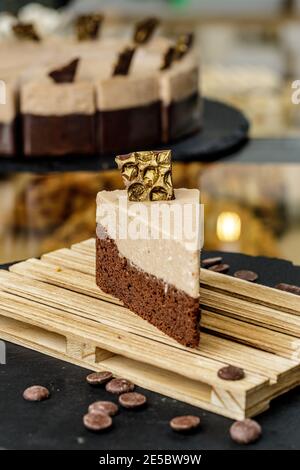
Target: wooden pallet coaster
[(53, 306)]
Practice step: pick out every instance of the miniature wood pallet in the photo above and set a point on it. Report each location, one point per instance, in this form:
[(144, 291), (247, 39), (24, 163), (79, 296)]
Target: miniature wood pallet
[(53, 306)]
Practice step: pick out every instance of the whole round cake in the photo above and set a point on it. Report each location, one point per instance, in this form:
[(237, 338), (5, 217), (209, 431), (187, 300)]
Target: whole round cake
[(92, 94)]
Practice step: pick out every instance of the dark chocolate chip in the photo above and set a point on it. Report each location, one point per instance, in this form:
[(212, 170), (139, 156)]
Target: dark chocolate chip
[(231, 373), (132, 400), (245, 432), (206, 263), (36, 393), (288, 288), (250, 276), (107, 407), (97, 421), (220, 268), (124, 61), (99, 378), (185, 423), (118, 386), (65, 74)]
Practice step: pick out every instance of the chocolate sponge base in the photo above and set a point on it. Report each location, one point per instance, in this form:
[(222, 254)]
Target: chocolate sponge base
[(173, 312)]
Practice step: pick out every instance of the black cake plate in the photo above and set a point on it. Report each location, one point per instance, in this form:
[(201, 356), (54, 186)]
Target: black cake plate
[(225, 131)]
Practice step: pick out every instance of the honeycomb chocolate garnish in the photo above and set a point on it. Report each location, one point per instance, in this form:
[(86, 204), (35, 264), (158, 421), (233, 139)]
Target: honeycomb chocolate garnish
[(65, 74), (144, 30), (130, 171), (158, 194), (137, 192), (87, 26), (147, 175), (124, 62), (25, 31)]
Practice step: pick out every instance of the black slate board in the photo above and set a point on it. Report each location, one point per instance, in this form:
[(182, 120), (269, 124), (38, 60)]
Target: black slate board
[(225, 131), (57, 423)]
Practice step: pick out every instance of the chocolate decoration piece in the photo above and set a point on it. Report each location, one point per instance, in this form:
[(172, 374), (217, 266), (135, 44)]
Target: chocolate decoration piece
[(147, 175), (87, 26), (288, 288), (183, 45), (169, 58), (144, 30), (25, 31), (124, 62), (65, 74)]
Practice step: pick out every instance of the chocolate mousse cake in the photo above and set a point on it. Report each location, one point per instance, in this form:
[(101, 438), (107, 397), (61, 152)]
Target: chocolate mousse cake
[(58, 114), (127, 93), (145, 254)]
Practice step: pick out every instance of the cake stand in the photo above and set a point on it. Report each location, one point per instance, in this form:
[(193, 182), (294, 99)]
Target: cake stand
[(225, 131)]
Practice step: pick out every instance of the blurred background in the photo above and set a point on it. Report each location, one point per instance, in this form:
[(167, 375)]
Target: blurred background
[(249, 55)]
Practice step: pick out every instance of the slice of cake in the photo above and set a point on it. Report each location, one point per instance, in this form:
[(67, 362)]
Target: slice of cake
[(58, 114), (128, 108), (148, 246)]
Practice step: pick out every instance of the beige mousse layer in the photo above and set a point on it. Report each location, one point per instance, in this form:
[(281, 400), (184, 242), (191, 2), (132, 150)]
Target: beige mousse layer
[(174, 260), (123, 92), (45, 98), (180, 82), (9, 91)]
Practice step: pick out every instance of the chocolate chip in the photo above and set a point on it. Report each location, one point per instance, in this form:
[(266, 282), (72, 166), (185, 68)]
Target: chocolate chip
[(107, 407), (65, 74), (118, 386), (124, 61), (132, 400), (97, 421), (99, 378), (288, 288), (185, 423), (250, 276), (231, 373), (219, 268), (245, 432), (206, 263), (87, 26), (36, 393)]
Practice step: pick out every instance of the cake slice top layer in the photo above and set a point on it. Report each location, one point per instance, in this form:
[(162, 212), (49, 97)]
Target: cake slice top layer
[(160, 238)]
